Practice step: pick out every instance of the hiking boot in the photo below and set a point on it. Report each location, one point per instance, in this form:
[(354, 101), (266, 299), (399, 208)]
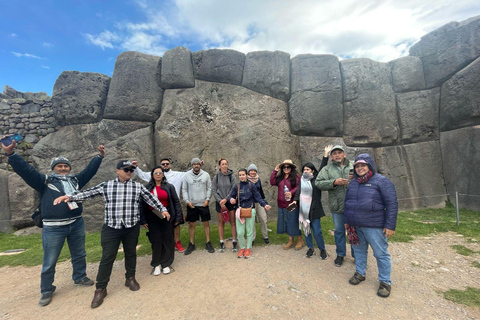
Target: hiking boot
[(247, 253), (310, 252), (338, 261), (86, 282), (209, 247), (222, 246), (300, 243), (323, 254), (356, 279), (241, 253), (234, 246), (157, 271), (289, 244), (190, 249), (384, 290), (45, 299), (132, 284), (178, 247), (266, 240), (98, 297)]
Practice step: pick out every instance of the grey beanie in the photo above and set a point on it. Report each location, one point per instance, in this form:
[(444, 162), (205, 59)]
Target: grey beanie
[(252, 167), (195, 160), (58, 160)]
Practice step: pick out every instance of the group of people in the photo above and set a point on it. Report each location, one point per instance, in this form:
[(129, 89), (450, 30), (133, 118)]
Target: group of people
[(361, 201)]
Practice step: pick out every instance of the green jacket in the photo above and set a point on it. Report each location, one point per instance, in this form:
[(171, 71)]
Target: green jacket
[(324, 181)]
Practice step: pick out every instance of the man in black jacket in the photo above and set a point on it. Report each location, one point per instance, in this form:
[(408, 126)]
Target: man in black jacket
[(59, 222)]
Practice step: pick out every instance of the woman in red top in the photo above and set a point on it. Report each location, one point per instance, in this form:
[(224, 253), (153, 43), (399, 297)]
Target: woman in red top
[(160, 231), (284, 176)]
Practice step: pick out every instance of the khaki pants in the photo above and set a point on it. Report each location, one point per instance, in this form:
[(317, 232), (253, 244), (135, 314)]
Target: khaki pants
[(262, 217)]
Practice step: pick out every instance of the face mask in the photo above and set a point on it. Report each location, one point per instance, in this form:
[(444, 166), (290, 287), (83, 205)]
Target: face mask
[(308, 175)]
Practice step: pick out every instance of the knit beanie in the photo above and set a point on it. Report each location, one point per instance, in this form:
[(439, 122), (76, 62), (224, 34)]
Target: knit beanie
[(195, 160), (252, 167), (58, 160)]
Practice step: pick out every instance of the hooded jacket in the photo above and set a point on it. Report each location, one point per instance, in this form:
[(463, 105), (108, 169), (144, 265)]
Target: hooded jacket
[(222, 185), (325, 179), (372, 204), (196, 188)]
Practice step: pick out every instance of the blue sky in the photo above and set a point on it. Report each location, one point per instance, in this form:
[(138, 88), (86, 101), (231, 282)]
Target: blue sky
[(40, 39)]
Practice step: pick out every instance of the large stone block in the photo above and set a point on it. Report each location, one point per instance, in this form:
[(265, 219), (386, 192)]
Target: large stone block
[(22, 200), (460, 101), (316, 113), (460, 153), (370, 115), (135, 92), (448, 49), (407, 74), (216, 120), (177, 69), (315, 72), (217, 65), (268, 73), (122, 139), (5, 213), (418, 112), (416, 172), (79, 97)]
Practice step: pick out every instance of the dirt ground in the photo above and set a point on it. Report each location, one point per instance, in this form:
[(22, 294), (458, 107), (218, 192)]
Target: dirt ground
[(273, 284)]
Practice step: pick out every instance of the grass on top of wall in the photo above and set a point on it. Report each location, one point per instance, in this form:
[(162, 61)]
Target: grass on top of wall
[(423, 222)]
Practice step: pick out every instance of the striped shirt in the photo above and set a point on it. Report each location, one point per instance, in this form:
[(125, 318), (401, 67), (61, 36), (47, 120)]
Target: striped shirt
[(121, 200)]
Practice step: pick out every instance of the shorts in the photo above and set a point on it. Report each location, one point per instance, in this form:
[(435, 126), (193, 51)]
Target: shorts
[(197, 212), (229, 206)]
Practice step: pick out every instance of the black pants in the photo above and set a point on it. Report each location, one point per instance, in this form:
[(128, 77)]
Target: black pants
[(110, 239), (160, 234)]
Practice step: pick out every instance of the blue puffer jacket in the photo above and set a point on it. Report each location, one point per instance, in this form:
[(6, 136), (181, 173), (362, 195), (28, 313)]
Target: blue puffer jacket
[(372, 204), (248, 195)]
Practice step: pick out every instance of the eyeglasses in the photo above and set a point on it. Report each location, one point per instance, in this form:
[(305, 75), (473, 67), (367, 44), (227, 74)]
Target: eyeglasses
[(157, 173), (287, 167), (164, 164), (126, 170)]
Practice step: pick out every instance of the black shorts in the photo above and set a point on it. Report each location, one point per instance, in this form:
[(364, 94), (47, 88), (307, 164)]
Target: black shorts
[(229, 206), (197, 212)]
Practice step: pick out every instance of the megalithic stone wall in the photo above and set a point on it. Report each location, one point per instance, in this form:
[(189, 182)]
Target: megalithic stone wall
[(418, 116)]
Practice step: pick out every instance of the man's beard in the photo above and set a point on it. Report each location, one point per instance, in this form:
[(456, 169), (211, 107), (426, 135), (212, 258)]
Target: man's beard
[(166, 170)]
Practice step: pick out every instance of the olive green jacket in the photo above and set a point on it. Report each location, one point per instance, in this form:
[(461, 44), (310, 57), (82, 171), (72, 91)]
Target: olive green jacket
[(325, 179)]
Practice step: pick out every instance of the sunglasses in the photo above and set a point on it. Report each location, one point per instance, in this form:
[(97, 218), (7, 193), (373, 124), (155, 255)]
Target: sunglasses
[(164, 164), (157, 173), (126, 170), (287, 167)]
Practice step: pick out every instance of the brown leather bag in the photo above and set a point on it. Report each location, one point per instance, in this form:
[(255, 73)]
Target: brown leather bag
[(244, 212)]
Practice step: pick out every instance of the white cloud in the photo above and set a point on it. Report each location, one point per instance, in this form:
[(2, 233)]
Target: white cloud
[(13, 35), (47, 44), (45, 67), (27, 55), (104, 40)]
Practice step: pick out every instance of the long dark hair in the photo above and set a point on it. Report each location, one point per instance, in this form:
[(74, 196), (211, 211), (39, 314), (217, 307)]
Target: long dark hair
[(311, 166), (151, 184), (292, 177)]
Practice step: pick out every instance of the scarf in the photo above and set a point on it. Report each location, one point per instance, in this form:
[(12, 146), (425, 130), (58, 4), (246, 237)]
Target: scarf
[(305, 202), (253, 179), (67, 183), (365, 177)]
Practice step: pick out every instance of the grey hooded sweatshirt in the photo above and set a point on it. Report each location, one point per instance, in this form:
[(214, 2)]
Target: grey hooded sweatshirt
[(222, 185), (196, 188)]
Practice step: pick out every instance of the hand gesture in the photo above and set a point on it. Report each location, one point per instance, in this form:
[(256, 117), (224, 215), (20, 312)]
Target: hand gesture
[(166, 215), (388, 232), (222, 202), (233, 201), (8, 149), (277, 167), (101, 150), (268, 207), (190, 205), (61, 199), (205, 203), (135, 163), (327, 150)]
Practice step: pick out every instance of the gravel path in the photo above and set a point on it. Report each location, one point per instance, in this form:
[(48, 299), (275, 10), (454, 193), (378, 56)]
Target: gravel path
[(273, 284)]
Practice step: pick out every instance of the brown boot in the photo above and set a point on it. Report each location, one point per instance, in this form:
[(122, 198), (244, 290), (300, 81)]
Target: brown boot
[(299, 245), (132, 284), (98, 297), (289, 244)]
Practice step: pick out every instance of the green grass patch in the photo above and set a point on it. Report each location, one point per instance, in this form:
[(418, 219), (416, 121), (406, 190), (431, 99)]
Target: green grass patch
[(464, 251), (423, 222), (476, 264), (469, 297)]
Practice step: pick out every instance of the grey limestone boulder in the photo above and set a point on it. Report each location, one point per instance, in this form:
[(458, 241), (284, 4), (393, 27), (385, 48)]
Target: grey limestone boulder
[(418, 112), (407, 74), (460, 101), (135, 92), (416, 171), (268, 73), (79, 97), (22, 200), (448, 49), (5, 213), (460, 153), (216, 120), (177, 69), (315, 107), (217, 65), (370, 115), (122, 139)]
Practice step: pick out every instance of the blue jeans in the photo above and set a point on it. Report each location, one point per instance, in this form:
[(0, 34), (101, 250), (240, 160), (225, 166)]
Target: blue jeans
[(378, 241), (287, 222), (316, 230), (339, 234), (53, 238)]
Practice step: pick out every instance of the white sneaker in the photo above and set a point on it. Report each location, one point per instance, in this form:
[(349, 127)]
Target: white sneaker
[(166, 270), (157, 271)]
